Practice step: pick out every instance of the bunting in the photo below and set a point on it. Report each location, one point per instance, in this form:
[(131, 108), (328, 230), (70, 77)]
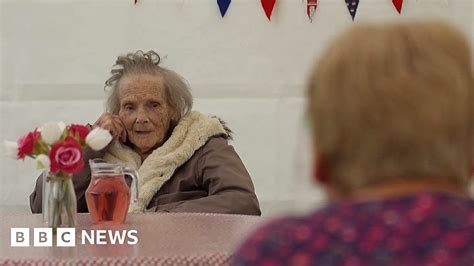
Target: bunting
[(311, 6), (352, 6), (223, 6), (268, 7), (398, 5)]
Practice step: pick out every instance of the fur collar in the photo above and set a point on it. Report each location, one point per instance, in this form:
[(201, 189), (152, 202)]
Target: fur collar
[(191, 133)]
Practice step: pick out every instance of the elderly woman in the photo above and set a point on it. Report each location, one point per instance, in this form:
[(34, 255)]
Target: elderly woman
[(183, 158), (393, 128)]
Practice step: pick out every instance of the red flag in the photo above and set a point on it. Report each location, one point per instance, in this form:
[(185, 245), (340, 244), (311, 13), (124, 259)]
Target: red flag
[(398, 5), (268, 7), (136, 1), (311, 8)]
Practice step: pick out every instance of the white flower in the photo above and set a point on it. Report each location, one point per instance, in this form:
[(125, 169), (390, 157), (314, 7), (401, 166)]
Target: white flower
[(42, 162), (98, 138), (11, 149), (62, 126), (51, 132)]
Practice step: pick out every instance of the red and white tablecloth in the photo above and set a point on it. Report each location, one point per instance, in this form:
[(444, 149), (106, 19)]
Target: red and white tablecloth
[(163, 239)]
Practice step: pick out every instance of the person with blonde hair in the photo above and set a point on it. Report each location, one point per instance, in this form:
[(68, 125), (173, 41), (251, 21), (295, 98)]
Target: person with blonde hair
[(183, 158), (392, 117)]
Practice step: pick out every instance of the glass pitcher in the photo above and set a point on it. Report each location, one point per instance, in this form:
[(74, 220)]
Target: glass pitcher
[(108, 195)]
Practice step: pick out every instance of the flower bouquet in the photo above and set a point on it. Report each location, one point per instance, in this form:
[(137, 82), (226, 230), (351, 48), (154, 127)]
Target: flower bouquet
[(58, 150)]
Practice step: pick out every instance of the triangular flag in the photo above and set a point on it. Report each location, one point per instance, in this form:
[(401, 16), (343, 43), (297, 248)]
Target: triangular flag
[(136, 1), (223, 6), (352, 6), (398, 5), (311, 8), (268, 7)]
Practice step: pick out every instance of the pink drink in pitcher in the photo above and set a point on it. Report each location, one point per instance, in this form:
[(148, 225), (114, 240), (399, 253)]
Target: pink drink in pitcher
[(108, 195), (108, 200)]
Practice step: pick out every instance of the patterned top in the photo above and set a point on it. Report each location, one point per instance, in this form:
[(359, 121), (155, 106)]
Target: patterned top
[(422, 229)]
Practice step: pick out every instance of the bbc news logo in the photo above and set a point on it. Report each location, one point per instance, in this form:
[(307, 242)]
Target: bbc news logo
[(66, 237)]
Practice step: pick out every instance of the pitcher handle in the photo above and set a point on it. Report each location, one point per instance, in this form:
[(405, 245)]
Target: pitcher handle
[(134, 174)]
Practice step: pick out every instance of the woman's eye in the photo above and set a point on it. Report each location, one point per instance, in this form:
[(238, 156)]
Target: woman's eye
[(155, 105), (128, 107)]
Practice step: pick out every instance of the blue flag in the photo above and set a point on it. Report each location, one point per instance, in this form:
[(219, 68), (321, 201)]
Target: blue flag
[(223, 6), (352, 6)]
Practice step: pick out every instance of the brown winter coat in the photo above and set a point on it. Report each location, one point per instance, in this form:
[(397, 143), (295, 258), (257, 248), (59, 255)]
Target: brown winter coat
[(213, 179)]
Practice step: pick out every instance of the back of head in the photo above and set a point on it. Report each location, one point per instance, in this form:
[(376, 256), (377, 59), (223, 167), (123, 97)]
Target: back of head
[(393, 102)]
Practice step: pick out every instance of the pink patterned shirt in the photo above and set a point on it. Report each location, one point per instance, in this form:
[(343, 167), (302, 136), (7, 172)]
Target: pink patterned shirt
[(421, 229)]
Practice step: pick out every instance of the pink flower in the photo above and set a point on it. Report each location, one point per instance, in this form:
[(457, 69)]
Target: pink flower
[(66, 156), (26, 144), (78, 131)]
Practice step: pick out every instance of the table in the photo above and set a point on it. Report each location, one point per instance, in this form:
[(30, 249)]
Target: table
[(163, 238)]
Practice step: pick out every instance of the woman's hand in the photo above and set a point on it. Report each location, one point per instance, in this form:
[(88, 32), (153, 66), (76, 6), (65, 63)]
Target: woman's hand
[(114, 124)]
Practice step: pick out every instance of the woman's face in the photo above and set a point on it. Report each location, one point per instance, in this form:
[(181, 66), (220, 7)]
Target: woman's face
[(144, 111)]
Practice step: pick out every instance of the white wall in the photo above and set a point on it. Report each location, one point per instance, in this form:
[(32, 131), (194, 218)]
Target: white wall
[(56, 54)]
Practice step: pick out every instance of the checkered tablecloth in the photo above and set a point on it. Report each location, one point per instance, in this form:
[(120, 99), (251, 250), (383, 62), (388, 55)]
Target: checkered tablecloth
[(217, 259), (164, 239)]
